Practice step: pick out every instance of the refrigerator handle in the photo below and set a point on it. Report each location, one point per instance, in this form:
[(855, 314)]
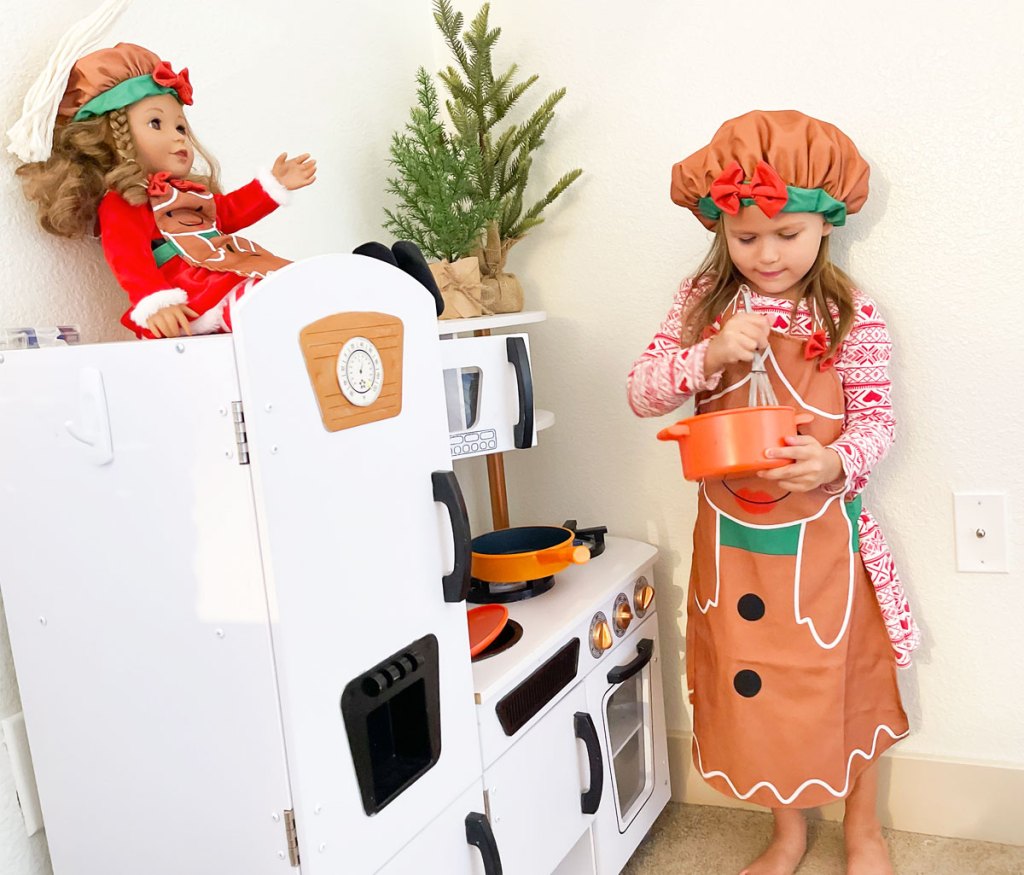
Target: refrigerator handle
[(515, 348), (584, 724), (448, 493), (480, 834)]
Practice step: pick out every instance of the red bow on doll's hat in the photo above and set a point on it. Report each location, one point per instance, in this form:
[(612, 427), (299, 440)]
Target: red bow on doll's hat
[(165, 76), (766, 187), (161, 183)]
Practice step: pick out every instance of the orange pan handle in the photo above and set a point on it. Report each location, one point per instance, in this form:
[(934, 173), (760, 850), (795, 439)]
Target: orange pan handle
[(574, 555), (804, 418), (674, 432)]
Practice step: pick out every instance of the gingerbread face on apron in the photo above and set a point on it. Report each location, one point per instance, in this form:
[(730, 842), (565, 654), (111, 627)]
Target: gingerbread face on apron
[(186, 215), (788, 660)]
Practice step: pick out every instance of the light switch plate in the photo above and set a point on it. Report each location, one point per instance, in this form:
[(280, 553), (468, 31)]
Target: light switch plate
[(979, 520)]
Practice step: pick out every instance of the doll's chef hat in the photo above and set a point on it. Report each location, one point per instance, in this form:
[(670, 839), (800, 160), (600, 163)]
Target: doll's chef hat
[(78, 82), (782, 161)]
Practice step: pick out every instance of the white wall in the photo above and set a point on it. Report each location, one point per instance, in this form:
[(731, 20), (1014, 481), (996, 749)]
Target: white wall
[(926, 91), (334, 79)]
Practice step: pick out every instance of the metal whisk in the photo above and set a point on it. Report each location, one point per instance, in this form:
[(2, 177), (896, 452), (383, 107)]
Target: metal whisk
[(761, 392)]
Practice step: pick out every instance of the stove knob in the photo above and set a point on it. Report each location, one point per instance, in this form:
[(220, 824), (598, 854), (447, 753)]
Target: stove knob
[(600, 636), (643, 595), (623, 615)]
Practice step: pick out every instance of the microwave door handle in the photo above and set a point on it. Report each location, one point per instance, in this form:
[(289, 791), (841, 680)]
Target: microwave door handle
[(447, 491), (515, 348), (585, 731), (645, 650)]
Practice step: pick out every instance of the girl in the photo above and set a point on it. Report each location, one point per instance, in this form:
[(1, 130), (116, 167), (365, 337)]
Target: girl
[(790, 668), (121, 162)]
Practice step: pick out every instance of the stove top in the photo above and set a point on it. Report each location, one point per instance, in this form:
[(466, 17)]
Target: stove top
[(551, 620)]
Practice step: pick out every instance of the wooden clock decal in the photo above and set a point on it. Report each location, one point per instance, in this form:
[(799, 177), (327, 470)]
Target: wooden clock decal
[(354, 361)]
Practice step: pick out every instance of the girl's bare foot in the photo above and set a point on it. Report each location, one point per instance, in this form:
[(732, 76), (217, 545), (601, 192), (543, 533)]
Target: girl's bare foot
[(787, 847), (866, 852)]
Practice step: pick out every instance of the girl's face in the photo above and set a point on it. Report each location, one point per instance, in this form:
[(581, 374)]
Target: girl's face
[(774, 254), (160, 134)]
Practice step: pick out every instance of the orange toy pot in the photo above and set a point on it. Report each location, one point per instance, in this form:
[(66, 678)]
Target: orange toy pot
[(731, 442), (525, 553)]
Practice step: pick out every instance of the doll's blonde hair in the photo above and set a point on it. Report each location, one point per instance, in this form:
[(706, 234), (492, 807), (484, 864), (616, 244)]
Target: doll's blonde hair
[(825, 287), (89, 159)]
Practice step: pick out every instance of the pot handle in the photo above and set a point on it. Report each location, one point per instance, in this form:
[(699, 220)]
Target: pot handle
[(573, 554), (804, 418), (674, 432)]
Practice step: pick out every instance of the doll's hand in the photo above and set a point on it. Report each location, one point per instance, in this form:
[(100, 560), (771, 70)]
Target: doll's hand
[(296, 172), (171, 321), (813, 464), (742, 336)]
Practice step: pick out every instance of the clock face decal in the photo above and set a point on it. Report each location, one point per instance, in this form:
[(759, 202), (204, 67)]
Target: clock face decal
[(360, 372)]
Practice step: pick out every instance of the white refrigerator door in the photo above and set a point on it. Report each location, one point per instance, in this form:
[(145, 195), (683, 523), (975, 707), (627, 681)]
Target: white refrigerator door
[(355, 547), (134, 594)]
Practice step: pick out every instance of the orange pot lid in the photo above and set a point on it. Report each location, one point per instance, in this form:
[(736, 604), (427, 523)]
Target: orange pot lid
[(485, 622)]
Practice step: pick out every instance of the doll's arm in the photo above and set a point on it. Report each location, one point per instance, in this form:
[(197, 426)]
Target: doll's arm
[(667, 375), (247, 205), (863, 368), (125, 234)]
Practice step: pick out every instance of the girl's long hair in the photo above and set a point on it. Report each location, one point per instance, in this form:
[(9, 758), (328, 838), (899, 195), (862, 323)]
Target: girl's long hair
[(89, 159), (825, 287)]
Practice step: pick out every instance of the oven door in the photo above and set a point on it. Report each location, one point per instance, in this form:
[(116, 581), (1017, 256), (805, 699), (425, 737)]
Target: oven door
[(626, 691), (488, 390)]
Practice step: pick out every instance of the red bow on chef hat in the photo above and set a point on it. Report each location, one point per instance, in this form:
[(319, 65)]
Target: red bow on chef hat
[(766, 188)]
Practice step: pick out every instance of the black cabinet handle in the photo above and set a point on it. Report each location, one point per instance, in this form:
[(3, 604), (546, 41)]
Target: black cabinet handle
[(645, 650), (447, 491), (480, 835), (585, 731), (515, 347)]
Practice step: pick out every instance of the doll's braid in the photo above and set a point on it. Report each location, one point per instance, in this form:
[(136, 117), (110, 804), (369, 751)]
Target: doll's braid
[(126, 177), (123, 143)]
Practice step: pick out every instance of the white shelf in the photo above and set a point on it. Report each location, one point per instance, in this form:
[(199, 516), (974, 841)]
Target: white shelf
[(451, 327), (542, 419)]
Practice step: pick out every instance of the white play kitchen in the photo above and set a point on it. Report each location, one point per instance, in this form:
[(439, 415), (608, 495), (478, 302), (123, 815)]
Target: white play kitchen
[(237, 574)]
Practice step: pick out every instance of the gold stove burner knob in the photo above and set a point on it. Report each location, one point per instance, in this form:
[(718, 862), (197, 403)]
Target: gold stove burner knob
[(623, 615), (643, 595), (601, 635)]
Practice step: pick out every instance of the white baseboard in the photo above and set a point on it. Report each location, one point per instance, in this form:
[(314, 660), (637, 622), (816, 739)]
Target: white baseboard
[(979, 801)]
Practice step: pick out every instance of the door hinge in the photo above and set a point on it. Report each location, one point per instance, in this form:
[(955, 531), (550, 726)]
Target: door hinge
[(241, 438), (292, 837)]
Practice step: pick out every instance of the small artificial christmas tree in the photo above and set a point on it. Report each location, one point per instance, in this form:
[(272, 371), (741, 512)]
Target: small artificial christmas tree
[(478, 102), (439, 208)]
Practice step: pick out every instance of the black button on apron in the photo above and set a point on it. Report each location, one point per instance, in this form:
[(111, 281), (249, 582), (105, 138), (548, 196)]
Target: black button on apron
[(747, 683), (750, 607)]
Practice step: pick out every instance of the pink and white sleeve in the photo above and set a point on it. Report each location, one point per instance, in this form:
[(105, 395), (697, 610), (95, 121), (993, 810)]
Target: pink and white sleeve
[(863, 367), (667, 375)]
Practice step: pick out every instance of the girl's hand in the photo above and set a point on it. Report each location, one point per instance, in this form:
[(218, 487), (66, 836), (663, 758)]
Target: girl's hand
[(171, 321), (813, 464), (296, 172), (742, 336)]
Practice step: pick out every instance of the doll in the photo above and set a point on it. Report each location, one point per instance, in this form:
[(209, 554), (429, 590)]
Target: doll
[(121, 164)]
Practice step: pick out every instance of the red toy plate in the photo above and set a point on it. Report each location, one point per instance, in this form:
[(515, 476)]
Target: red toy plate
[(485, 622)]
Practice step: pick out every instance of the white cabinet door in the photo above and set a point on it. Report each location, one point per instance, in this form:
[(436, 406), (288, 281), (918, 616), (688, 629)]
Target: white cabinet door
[(534, 790), (444, 846), (134, 594)]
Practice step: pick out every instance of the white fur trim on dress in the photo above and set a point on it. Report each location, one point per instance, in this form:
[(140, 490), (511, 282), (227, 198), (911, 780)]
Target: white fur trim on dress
[(272, 187), (157, 301), (31, 135)]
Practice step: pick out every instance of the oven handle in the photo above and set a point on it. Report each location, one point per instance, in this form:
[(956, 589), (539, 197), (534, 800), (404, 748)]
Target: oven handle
[(480, 834), (584, 724), (645, 650), (515, 348), (447, 491)]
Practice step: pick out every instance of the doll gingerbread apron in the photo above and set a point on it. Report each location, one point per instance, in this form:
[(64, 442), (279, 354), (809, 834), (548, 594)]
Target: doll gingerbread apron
[(788, 662)]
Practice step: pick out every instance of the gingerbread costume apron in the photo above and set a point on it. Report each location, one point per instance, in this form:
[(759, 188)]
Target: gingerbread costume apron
[(788, 662)]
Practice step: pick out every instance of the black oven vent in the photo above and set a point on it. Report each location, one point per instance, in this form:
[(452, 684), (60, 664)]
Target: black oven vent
[(522, 704)]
